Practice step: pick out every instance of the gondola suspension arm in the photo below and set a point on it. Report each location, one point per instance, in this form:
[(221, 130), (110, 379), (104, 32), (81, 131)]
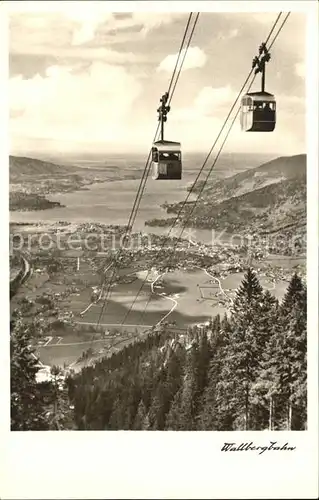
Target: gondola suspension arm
[(162, 112), (260, 64)]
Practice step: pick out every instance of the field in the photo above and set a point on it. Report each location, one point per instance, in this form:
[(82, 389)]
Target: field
[(180, 297)]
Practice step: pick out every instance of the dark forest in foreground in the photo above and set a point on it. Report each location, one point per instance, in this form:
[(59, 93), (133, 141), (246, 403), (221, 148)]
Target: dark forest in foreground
[(246, 371)]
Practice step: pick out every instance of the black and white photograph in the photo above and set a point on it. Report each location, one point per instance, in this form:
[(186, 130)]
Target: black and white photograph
[(158, 170)]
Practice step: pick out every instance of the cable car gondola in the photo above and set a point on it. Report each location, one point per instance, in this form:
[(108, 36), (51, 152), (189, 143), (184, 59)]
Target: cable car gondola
[(166, 155), (258, 109), (167, 160), (258, 112)]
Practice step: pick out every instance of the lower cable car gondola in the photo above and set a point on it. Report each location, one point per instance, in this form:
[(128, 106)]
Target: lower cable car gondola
[(258, 112), (166, 160), (258, 109), (166, 155)]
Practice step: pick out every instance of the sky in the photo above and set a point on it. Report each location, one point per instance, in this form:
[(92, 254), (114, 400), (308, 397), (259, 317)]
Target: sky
[(84, 79)]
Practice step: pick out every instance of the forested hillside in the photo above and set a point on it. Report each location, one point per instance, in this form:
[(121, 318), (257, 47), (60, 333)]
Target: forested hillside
[(247, 371), (22, 166), (267, 199), (277, 170)]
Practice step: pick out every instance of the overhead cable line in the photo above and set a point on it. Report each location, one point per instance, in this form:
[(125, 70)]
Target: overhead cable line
[(223, 143), (148, 163), (184, 56), (201, 170)]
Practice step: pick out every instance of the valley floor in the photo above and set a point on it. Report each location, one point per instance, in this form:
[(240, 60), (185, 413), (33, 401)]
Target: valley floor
[(59, 293)]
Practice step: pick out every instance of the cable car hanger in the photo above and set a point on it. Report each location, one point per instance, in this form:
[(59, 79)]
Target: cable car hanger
[(258, 109), (166, 155), (260, 64)]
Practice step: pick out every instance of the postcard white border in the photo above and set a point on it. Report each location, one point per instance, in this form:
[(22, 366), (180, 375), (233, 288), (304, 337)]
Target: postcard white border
[(164, 464)]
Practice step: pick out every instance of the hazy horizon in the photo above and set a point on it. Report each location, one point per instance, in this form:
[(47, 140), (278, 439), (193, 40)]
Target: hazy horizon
[(105, 156)]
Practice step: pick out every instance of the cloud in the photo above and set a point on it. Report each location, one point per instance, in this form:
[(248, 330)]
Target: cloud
[(229, 35), (92, 105), (209, 98), (84, 20), (102, 54), (195, 58), (70, 85), (208, 103)]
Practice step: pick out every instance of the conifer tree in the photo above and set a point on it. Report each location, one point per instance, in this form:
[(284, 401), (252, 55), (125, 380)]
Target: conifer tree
[(293, 294), (203, 359), (156, 417), (116, 418), (283, 374), (173, 421), (262, 395), (140, 417), (294, 317), (213, 412), (240, 367), (27, 408), (216, 324)]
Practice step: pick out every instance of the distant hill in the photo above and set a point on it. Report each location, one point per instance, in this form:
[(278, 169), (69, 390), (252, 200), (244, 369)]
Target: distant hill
[(272, 172), (26, 169), (23, 166), (270, 206), (267, 199)]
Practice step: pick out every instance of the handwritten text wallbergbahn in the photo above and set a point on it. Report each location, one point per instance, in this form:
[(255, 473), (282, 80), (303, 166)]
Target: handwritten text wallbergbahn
[(273, 446)]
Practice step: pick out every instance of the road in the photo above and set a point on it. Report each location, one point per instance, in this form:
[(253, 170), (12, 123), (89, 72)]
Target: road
[(99, 297), (58, 344), (27, 268), (175, 303), (112, 325), (219, 284), (18, 281)]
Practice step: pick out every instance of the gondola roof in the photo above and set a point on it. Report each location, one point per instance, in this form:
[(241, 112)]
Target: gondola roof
[(260, 96), (167, 145)]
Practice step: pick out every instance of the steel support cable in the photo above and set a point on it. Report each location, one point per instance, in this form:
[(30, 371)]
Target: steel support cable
[(197, 177), (228, 132), (200, 193), (233, 121), (184, 56), (146, 170), (148, 163), (279, 30), (136, 201), (188, 44), (222, 145), (174, 87), (133, 213), (179, 53), (147, 166)]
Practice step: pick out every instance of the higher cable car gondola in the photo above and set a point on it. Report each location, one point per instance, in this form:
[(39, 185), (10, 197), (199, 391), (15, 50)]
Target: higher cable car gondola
[(167, 160), (258, 109), (166, 155)]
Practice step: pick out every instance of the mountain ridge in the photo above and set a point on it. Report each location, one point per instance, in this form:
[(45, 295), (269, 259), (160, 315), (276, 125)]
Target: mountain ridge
[(23, 165), (237, 204), (271, 172)]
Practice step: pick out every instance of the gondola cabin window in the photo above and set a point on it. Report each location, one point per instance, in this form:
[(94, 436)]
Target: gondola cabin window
[(169, 156)]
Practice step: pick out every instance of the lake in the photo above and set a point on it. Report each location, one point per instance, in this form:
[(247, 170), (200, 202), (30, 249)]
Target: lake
[(111, 202)]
